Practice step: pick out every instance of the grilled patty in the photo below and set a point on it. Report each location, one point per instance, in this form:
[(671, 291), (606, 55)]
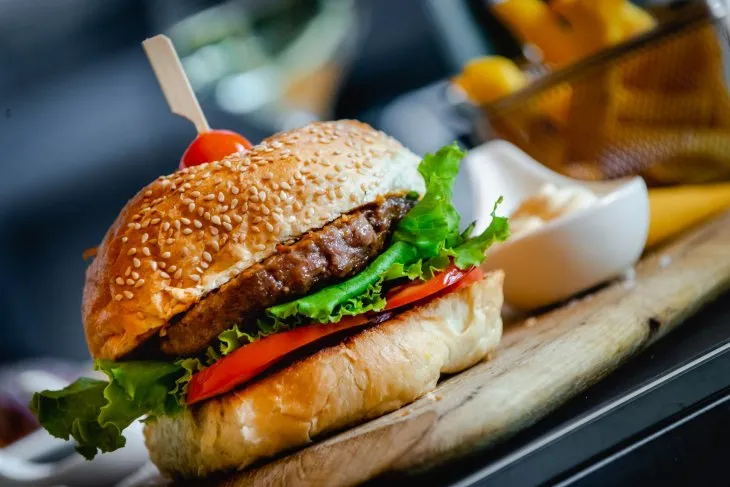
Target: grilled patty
[(337, 250)]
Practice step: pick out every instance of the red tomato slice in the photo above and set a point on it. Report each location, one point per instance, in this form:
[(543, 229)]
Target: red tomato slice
[(213, 146), (250, 360), (418, 290)]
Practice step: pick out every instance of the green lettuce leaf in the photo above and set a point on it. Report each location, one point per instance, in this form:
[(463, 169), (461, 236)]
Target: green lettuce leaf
[(331, 303), (471, 251), (434, 222), (95, 412), (74, 412)]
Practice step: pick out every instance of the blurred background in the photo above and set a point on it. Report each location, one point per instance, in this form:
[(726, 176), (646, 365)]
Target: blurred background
[(83, 123)]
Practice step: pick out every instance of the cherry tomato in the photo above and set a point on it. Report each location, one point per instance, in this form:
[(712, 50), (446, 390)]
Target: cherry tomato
[(213, 146), (251, 360), (418, 290)]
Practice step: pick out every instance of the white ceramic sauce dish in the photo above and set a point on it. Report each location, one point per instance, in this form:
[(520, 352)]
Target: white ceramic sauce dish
[(567, 255)]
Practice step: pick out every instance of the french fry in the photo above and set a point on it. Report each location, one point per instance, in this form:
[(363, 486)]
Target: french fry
[(635, 20), (695, 108), (593, 113), (668, 155), (534, 23), (488, 78)]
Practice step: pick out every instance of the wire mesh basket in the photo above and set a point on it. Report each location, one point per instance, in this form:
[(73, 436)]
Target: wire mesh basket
[(655, 106)]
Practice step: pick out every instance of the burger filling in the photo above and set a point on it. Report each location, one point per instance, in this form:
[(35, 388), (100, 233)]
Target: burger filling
[(336, 251), (359, 270)]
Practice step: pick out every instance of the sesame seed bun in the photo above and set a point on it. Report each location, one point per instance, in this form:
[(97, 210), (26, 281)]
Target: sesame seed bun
[(186, 234)]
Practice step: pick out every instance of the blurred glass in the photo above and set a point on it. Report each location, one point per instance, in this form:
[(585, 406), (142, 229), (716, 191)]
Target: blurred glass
[(278, 63)]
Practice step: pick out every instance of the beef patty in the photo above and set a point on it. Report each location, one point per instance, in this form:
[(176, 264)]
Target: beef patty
[(337, 250)]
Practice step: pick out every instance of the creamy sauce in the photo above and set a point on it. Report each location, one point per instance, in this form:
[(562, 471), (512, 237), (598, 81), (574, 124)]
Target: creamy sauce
[(548, 204)]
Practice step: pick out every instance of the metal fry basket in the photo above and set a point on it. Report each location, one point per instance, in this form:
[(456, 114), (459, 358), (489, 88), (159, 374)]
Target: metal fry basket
[(656, 106)]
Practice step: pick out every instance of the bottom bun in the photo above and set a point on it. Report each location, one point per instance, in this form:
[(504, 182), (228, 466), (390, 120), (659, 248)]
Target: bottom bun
[(367, 375)]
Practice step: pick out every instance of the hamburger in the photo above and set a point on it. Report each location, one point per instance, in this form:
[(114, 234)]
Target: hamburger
[(244, 307)]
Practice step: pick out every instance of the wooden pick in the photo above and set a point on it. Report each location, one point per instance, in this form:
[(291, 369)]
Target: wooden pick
[(173, 81)]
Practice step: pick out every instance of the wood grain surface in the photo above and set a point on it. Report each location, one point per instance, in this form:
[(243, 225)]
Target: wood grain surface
[(541, 363)]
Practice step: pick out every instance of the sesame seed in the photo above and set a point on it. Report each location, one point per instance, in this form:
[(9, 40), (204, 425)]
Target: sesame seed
[(166, 255), (207, 215), (216, 219), (186, 221), (226, 218), (155, 221), (227, 226), (177, 224), (214, 230), (197, 224), (269, 227), (257, 219), (234, 190), (195, 194), (209, 197), (128, 294), (162, 265), (148, 192), (201, 210), (234, 203), (119, 281), (136, 262), (164, 275), (118, 297), (207, 256), (191, 207), (237, 218), (255, 229), (139, 283), (178, 274), (195, 277), (187, 231), (199, 270), (214, 244), (135, 275), (259, 247), (170, 241), (127, 271), (221, 197), (204, 265), (165, 226), (124, 239)]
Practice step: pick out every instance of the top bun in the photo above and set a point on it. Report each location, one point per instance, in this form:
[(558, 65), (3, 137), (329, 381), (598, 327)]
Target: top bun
[(188, 233)]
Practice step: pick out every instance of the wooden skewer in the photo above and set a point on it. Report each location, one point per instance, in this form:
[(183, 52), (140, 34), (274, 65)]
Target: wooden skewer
[(173, 81)]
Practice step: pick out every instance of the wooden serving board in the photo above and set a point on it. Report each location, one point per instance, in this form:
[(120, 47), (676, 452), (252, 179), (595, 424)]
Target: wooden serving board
[(540, 364)]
